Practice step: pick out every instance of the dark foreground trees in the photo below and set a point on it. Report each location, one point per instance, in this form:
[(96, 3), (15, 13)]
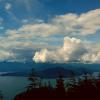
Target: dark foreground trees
[(1, 96), (86, 88)]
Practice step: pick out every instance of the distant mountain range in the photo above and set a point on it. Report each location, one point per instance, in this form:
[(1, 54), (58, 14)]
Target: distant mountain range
[(50, 72), (46, 69), (55, 72)]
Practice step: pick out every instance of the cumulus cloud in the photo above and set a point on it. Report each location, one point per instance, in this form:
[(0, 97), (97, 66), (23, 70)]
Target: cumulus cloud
[(73, 50), (41, 35), (15, 47), (93, 57), (63, 54), (68, 24), (78, 24)]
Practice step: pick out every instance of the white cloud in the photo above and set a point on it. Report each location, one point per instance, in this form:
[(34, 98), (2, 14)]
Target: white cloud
[(79, 24), (63, 54), (8, 6), (73, 50), (13, 46), (41, 35), (93, 57), (68, 24)]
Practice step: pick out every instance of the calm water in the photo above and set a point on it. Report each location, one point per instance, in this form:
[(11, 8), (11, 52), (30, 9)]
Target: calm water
[(11, 85)]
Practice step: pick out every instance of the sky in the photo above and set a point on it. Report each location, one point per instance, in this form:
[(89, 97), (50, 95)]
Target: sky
[(55, 31)]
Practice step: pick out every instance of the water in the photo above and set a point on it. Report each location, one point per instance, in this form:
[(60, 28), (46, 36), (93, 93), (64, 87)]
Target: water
[(12, 85)]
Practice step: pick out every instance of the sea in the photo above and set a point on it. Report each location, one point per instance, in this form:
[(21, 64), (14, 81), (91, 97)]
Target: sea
[(10, 86)]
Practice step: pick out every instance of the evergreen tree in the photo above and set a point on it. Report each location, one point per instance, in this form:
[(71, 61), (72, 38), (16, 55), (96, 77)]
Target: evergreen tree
[(1, 96), (60, 83), (34, 80)]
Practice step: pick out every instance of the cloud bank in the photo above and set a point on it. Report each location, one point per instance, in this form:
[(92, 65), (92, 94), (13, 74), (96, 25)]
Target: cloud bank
[(40, 35), (65, 25), (73, 50)]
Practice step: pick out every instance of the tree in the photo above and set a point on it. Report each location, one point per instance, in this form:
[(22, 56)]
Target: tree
[(49, 84), (1, 96), (60, 83), (34, 80)]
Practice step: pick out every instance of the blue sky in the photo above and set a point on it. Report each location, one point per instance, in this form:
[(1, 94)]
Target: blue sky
[(45, 9), (27, 26)]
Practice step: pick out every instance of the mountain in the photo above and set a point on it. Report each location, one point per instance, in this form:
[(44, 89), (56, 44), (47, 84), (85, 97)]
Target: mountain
[(55, 72), (15, 66), (46, 69), (50, 72)]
